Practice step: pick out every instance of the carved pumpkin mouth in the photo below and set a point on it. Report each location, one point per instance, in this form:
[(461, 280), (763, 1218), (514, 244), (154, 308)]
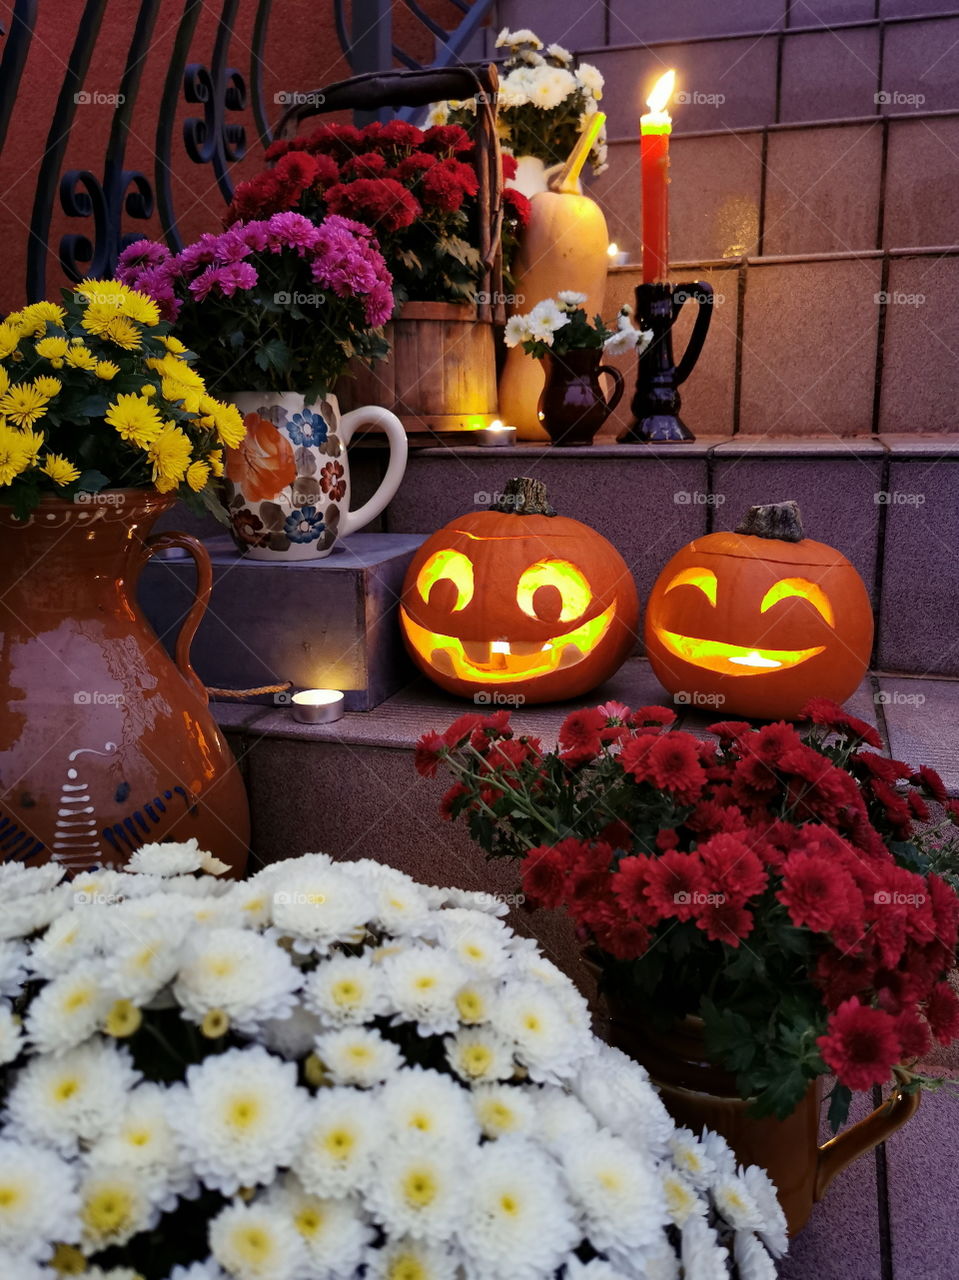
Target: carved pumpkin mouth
[(502, 660), (733, 659)]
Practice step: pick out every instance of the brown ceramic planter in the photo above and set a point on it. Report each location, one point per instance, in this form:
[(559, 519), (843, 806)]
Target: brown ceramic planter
[(105, 744), (696, 1093), (572, 406)]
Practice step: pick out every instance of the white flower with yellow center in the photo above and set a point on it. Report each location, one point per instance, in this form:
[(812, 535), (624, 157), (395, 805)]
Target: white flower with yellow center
[(240, 972), (11, 1034), (38, 1201), (533, 966), (143, 1142), (335, 1232), (13, 968), (752, 1260), (339, 1141), (402, 909), (609, 1179), (422, 983), (488, 904), (257, 1242), (570, 299), (517, 330), (71, 1097), (239, 1117), (502, 1109), (691, 1158), (114, 1207), (476, 946), (318, 907), (408, 1259), (254, 901), (101, 887), (419, 1105), (735, 1202), (617, 1092), (475, 1003), (24, 915), (703, 1256), (69, 1009), (591, 78), (145, 960), (345, 989), (480, 1055), (18, 881), (358, 1055), (418, 1191), (513, 39), (171, 859), (773, 1231), (681, 1197), (519, 1222), (546, 1042), (291, 1037), (72, 937), (544, 320), (551, 86)]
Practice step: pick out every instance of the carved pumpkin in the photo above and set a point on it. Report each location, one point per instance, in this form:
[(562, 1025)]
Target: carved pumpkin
[(757, 622), (518, 601)]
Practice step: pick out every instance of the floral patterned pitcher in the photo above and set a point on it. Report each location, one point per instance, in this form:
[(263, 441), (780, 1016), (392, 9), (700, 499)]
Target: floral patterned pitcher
[(288, 483)]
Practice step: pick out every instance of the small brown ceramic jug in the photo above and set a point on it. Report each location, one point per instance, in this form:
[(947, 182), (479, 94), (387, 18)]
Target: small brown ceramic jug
[(572, 406)]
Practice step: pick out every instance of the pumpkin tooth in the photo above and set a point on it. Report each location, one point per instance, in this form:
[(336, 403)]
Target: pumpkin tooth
[(523, 648), (442, 660), (571, 654), (477, 651)]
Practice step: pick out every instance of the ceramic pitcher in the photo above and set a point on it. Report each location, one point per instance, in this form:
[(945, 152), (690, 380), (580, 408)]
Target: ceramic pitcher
[(288, 483)]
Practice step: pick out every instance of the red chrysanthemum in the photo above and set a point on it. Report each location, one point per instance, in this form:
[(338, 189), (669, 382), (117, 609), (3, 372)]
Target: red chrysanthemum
[(724, 921), (732, 868), (382, 203), (634, 755), (860, 1045), (447, 184), (450, 139), (450, 797), (426, 757), (516, 206), (772, 741), (913, 1034), (917, 806), (730, 730), (815, 892), (879, 766), (675, 883), (931, 783), (829, 714), (629, 883), (942, 1011), (371, 165), (543, 876), (461, 728), (579, 736), (674, 765), (645, 717)]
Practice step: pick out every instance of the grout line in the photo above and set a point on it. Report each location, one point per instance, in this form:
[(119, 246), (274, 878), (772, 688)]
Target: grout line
[(884, 473), (880, 346), (740, 328), (881, 61), (882, 1201), (785, 126), (763, 186)]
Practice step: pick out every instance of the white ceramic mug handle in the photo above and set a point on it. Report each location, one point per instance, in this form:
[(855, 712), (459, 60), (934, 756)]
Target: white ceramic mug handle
[(374, 416)]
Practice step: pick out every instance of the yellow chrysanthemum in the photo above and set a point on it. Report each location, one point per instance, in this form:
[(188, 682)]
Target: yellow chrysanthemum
[(33, 442), (10, 335), (140, 308), (215, 460), (48, 387), (52, 349), (102, 293), (171, 366), (24, 404), (185, 397), (173, 344), (59, 470), (170, 455), (124, 333), (80, 357), (36, 317), (230, 428), (197, 474), (15, 454), (148, 390), (97, 317), (135, 419), (106, 370), (4, 380)]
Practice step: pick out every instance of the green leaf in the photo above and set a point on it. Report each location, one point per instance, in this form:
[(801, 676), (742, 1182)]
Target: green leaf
[(91, 482), (782, 1096), (93, 406), (730, 1039), (839, 1099)]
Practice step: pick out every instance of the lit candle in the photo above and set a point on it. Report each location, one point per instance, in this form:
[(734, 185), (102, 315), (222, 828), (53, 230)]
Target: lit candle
[(318, 706), (617, 257), (655, 127)]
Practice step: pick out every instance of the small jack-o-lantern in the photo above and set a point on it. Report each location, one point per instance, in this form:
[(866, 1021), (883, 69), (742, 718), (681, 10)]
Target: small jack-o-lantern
[(519, 601), (759, 621)]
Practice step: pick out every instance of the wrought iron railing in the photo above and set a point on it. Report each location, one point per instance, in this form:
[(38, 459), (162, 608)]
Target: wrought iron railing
[(106, 198)]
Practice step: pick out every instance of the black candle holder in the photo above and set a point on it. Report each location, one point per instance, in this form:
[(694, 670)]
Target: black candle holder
[(656, 403)]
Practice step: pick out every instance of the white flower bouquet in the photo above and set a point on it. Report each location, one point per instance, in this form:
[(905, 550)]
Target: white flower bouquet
[(329, 1071), (561, 325), (546, 98)]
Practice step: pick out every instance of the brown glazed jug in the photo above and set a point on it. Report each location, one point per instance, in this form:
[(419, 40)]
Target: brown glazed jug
[(105, 743), (697, 1093), (572, 407)]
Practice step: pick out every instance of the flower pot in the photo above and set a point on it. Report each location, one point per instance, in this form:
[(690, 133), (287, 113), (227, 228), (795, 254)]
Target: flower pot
[(440, 374), (105, 743), (572, 406), (288, 483), (696, 1093)]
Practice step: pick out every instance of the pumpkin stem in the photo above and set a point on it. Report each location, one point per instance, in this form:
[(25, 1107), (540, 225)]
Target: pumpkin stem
[(779, 520), (524, 496)]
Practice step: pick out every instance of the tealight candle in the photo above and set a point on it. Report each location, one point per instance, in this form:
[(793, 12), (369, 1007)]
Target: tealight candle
[(318, 706), (617, 257)]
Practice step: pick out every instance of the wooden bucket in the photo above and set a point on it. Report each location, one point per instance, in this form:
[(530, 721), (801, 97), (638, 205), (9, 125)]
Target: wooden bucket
[(440, 374)]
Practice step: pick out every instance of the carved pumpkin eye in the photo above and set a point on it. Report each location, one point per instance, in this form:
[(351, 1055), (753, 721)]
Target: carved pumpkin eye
[(785, 588), (705, 579), (549, 583), (449, 566)]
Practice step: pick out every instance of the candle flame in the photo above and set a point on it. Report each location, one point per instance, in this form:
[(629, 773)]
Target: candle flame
[(662, 91)]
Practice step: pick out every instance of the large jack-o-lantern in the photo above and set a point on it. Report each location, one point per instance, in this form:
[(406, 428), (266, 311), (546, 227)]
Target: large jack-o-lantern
[(519, 601), (759, 621)]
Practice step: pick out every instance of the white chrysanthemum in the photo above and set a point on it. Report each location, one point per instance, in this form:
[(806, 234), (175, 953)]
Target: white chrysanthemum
[(557, 52), (257, 1242), (71, 1097), (180, 910), (171, 859), (591, 78), (691, 1158), (69, 1009), (101, 887), (718, 1151), (618, 1190), (531, 964), (490, 904), (345, 989), (334, 1231), (502, 1109), (205, 886), (407, 1259), (243, 974), (145, 960), (143, 1141), (476, 1002), (402, 909), (517, 330), (703, 1257), (519, 1222), (418, 1191), (38, 1201), (752, 1260), (682, 1198), (622, 343), (114, 1207), (547, 1041), (253, 900), (24, 915), (618, 1094), (513, 39), (774, 1231), (292, 1037), (317, 907), (480, 1055), (735, 1202), (561, 1119), (422, 983), (544, 320), (438, 114), (418, 1104), (239, 1117), (11, 1034), (18, 881), (551, 86), (477, 947), (13, 968), (358, 1055), (341, 1136), (569, 298), (72, 938)]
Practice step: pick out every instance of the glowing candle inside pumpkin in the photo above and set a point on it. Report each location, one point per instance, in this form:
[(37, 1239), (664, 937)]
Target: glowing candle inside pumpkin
[(654, 128)]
